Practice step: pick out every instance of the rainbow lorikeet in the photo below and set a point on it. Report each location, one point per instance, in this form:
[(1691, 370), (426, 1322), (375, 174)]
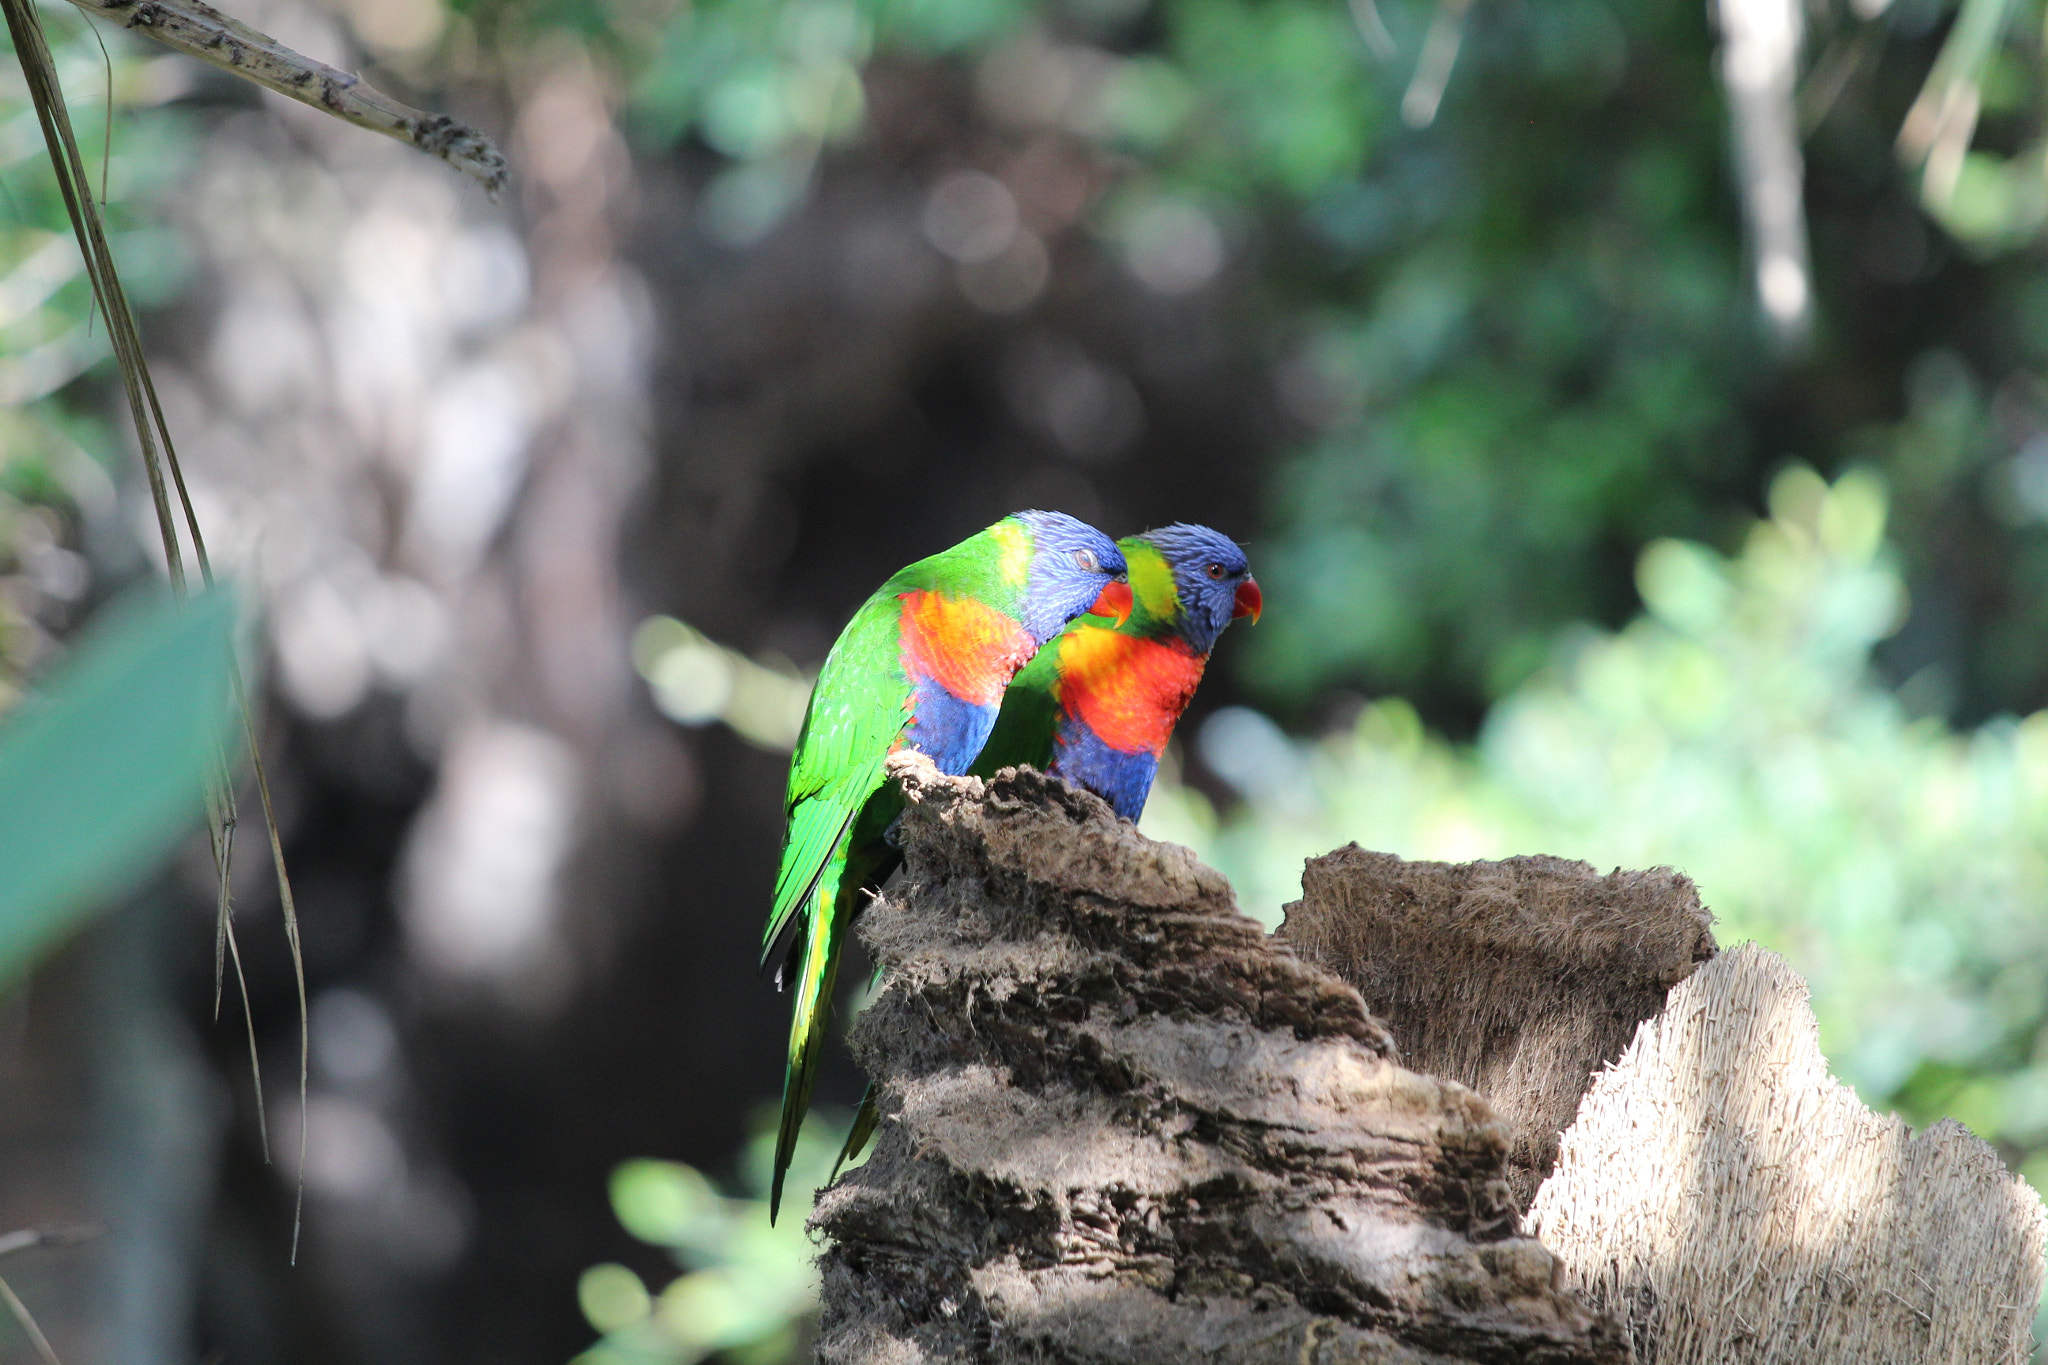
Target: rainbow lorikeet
[(922, 665), (1096, 705)]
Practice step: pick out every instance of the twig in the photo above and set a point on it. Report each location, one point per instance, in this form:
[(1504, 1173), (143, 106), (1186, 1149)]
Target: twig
[(249, 1018), (23, 1240), (27, 1239), (28, 1324), (1935, 135), (64, 1235), (1830, 76), (199, 30), (291, 938), (1373, 30), (1433, 68)]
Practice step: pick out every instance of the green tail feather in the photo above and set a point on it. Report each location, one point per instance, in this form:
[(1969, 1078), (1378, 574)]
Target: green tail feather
[(810, 1013), (861, 859), (864, 1124)]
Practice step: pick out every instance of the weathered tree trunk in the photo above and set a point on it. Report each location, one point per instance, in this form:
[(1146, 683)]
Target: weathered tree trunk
[(1718, 1189), (1123, 1125), (1737, 1203), (1520, 978)]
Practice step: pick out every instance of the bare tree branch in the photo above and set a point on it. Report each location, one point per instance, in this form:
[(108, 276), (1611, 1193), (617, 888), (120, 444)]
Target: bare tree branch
[(199, 30)]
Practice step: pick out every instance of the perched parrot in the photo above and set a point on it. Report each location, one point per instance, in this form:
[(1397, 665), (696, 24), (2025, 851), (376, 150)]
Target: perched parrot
[(922, 665), (1097, 704)]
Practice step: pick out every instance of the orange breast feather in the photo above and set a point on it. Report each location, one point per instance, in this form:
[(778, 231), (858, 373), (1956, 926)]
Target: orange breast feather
[(966, 647), (1129, 691)]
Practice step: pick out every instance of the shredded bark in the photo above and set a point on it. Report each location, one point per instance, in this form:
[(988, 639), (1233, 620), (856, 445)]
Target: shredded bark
[(1519, 978), (1120, 1124), (1737, 1204)]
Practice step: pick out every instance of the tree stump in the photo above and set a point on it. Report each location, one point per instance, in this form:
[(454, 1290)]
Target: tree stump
[(1740, 1206), (1121, 1124), (1520, 978)]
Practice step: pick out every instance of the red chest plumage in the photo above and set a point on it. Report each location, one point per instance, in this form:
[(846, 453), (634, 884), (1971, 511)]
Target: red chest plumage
[(968, 648), (1129, 691)]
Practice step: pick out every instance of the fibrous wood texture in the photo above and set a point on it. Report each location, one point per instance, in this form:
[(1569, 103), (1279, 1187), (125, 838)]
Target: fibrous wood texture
[(1739, 1205), (1122, 1125), (1519, 978)]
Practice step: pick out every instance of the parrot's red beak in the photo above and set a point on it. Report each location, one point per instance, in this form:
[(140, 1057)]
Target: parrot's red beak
[(1248, 600), (1113, 602)]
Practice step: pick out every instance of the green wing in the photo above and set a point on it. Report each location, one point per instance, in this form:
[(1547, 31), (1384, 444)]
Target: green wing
[(840, 802), (1030, 718), (858, 711), (1024, 732), (861, 705), (839, 805)]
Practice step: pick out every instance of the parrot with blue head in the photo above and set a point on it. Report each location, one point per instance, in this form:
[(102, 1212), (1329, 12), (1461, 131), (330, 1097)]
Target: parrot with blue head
[(1098, 703), (922, 665)]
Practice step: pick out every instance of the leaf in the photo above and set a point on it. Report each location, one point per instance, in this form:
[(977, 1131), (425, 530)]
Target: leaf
[(159, 455), (104, 768)]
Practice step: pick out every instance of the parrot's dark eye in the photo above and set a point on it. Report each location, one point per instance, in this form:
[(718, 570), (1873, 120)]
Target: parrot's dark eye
[(1086, 561), (1216, 571)]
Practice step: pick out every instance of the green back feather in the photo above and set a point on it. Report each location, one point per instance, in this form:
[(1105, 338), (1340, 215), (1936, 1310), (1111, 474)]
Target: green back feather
[(860, 706), (840, 803), (1030, 717)]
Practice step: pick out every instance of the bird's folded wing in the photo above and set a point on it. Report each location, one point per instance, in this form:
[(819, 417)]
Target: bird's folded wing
[(817, 827)]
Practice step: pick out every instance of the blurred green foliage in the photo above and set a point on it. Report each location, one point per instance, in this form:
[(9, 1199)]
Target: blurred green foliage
[(1519, 342), (1734, 731), (103, 766), (748, 1291), (48, 337), (1536, 338)]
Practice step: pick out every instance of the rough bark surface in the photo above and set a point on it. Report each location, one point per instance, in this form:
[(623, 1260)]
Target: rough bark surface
[(1519, 978), (1120, 1124), (1741, 1207)]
